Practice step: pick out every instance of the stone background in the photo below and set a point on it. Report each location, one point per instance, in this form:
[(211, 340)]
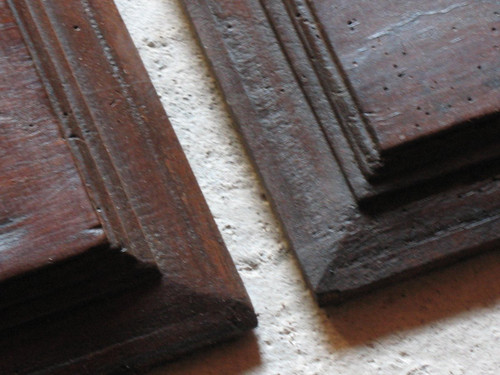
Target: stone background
[(446, 322)]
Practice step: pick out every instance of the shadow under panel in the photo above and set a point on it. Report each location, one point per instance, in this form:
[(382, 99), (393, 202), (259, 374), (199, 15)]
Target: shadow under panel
[(110, 260), (327, 96)]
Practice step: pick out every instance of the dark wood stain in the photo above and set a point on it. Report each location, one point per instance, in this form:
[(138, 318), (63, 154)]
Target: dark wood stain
[(366, 197), (40, 186), (110, 261)]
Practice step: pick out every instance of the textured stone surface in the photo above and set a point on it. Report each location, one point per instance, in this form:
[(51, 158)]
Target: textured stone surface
[(447, 322)]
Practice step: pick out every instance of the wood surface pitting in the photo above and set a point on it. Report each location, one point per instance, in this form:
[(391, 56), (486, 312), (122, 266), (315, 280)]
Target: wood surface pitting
[(351, 233), (147, 199), (40, 186), (456, 142), (326, 87), (416, 69)]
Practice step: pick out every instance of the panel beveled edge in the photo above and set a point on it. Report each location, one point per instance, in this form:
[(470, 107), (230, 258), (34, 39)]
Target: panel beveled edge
[(343, 250), (131, 332), (143, 190), (324, 82)]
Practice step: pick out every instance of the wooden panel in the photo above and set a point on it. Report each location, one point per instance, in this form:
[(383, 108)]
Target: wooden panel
[(387, 102), (417, 69), (350, 233), (331, 76), (52, 242), (170, 284), (39, 184)]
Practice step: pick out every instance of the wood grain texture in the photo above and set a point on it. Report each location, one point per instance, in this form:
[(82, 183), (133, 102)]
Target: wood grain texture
[(350, 233), (39, 184), (143, 201), (436, 63), (52, 242), (372, 168)]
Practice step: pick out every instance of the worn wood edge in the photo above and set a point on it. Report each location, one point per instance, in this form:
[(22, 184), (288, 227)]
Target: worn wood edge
[(199, 256), (157, 348), (97, 238), (332, 289), (52, 253), (168, 188), (162, 146), (206, 320), (305, 246), (243, 112), (301, 37), (64, 90), (330, 74), (333, 80)]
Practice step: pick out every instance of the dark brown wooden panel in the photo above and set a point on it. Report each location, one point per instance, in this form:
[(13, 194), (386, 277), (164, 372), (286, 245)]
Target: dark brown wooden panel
[(416, 69), (156, 279), (39, 185), (421, 151), (55, 253), (292, 103)]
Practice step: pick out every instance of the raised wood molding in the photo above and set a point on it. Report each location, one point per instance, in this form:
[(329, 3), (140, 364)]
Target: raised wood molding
[(96, 309), (378, 147)]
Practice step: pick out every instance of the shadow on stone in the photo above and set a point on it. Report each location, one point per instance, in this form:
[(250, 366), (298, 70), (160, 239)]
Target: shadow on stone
[(233, 357), (468, 285)]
